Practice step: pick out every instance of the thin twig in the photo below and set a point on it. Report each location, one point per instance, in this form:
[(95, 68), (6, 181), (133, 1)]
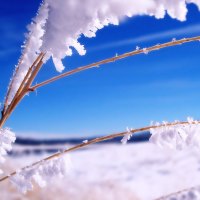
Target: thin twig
[(35, 63), (125, 55), (94, 141)]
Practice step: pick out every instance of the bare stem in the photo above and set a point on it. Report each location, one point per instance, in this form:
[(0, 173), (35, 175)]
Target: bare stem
[(94, 141), (115, 58)]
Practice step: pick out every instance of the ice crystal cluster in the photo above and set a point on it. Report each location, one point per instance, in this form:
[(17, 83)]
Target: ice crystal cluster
[(127, 136), (59, 24), (177, 136), (7, 137), (190, 194), (41, 174)]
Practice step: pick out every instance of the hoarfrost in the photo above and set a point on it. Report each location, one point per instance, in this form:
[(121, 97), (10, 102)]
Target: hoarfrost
[(64, 28), (177, 136), (41, 173), (127, 136), (31, 49)]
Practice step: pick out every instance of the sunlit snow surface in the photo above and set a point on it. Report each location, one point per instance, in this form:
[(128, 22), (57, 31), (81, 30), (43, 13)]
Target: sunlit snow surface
[(115, 171)]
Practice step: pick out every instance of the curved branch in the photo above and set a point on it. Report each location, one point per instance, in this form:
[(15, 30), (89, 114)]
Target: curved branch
[(115, 58), (94, 141)]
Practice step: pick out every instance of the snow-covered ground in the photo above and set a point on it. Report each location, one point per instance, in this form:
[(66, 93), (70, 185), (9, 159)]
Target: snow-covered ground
[(115, 171)]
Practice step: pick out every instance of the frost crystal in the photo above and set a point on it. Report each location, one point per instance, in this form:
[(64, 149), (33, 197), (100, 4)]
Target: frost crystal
[(137, 48), (7, 137), (178, 136), (173, 39), (41, 174), (127, 137), (31, 49), (145, 51)]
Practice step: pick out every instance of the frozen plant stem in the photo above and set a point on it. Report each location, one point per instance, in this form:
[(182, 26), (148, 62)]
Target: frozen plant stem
[(94, 141), (115, 58), (23, 89), (16, 71)]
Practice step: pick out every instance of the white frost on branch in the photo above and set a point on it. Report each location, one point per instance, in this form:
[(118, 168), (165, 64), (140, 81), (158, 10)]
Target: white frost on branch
[(41, 174), (85, 141), (7, 137), (178, 136), (127, 136), (68, 20), (31, 49)]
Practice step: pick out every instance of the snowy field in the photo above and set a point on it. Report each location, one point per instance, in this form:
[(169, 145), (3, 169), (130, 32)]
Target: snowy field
[(138, 171)]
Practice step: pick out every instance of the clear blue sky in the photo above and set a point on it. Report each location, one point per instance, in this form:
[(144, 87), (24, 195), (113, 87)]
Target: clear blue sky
[(163, 85)]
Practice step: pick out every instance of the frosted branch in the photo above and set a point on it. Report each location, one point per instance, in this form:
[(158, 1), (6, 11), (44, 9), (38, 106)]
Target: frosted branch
[(116, 58), (108, 137), (31, 50)]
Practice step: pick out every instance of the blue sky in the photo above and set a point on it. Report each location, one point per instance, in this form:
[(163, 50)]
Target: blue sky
[(163, 85)]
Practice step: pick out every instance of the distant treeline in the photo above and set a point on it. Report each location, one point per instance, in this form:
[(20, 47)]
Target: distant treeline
[(138, 137)]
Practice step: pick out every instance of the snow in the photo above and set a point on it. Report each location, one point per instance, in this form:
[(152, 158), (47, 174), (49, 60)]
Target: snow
[(41, 174), (139, 171), (7, 137)]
